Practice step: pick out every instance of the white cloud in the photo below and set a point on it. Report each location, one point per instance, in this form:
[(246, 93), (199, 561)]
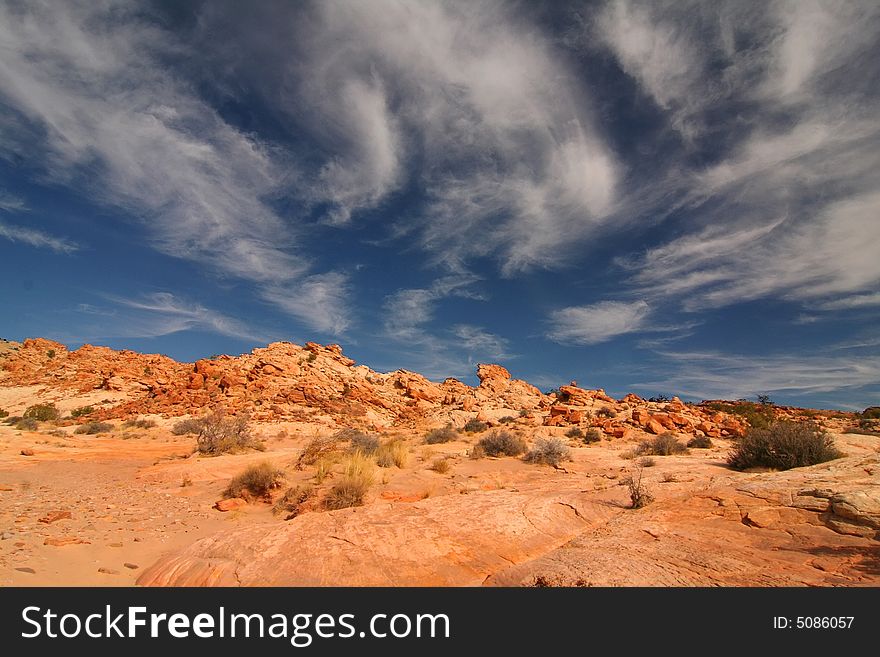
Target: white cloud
[(11, 202), (481, 343), (320, 301), (163, 313), (120, 126), (598, 322), (36, 238), (849, 302)]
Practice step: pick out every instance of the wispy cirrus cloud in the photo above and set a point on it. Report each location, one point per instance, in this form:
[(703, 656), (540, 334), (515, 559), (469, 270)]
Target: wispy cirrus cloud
[(132, 133), (598, 322), (36, 238)]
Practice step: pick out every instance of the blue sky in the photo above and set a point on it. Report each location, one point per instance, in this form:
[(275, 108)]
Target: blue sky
[(654, 197)]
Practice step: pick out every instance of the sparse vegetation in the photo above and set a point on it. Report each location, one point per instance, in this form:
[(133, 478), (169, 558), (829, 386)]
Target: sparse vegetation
[(502, 443), (27, 424), (759, 416), (524, 412), (81, 411), (782, 446), (51, 353), (575, 434), (592, 435), (507, 419), (477, 452), (3, 413), (188, 426), (871, 413), (186, 481), (92, 428), (606, 413), (354, 485), (441, 435), (13, 419), (294, 501), (392, 453), (220, 435), (548, 451), (42, 412), (257, 481), (358, 441), (659, 399), (139, 424), (475, 426), (646, 462), (639, 494), (312, 357), (666, 444), (668, 478), (700, 442), (440, 465), (320, 447)]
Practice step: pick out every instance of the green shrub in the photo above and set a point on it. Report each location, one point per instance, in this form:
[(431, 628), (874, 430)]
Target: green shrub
[(502, 443), (27, 424), (548, 451), (666, 444), (256, 481), (574, 433), (82, 410), (42, 412), (91, 428), (51, 353), (441, 435), (700, 442), (782, 446), (871, 413), (475, 426), (219, 435)]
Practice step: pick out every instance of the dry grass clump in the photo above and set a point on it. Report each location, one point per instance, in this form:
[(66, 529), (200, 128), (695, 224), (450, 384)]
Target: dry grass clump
[(294, 501), (359, 441), (440, 465), (257, 481), (220, 435), (139, 424), (318, 448), (548, 451), (783, 445), (441, 435), (639, 494), (393, 453), (502, 443), (187, 426), (700, 442), (354, 485)]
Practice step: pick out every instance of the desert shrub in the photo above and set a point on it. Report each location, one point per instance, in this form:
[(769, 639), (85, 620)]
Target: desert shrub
[(871, 413), (256, 481), (42, 412), (548, 451), (524, 412), (606, 412), (392, 453), (139, 424), (353, 487), (477, 452), (592, 436), (659, 398), (316, 449), (666, 444), (183, 427), (3, 413), (51, 353), (441, 435), (639, 495), (759, 416), (312, 357), (700, 442), (27, 424), (646, 462), (440, 466), (574, 433), (82, 410), (13, 419), (783, 445), (475, 426), (294, 501), (219, 434), (358, 440), (91, 428), (502, 443), (507, 419)]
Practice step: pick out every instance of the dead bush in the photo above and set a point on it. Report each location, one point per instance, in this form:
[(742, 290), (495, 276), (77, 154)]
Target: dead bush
[(187, 426), (316, 449), (219, 435), (358, 441), (295, 500), (441, 435), (440, 466), (639, 494), (257, 481), (666, 444), (700, 442), (502, 443), (548, 451), (474, 426)]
